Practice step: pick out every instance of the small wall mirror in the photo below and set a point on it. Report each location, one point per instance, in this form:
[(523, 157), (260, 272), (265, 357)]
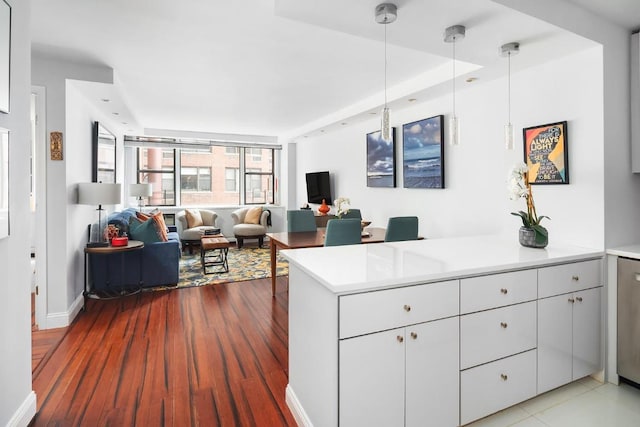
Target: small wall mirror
[(4, 183), (104, 155)]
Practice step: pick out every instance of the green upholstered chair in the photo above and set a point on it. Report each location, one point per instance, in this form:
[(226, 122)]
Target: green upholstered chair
[(300, 220), (353, 213), (343, 232), (401, 228)]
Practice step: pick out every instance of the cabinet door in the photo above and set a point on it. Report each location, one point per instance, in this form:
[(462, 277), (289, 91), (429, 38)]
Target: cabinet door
[(432, 369), (372, 379), (554, 342), (586, 333)]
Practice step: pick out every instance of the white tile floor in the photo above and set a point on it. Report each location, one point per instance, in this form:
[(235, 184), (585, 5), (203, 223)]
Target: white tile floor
[(584, 403)]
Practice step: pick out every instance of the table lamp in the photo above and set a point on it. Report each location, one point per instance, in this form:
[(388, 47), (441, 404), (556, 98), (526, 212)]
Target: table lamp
[(98, 193), (140, 191)]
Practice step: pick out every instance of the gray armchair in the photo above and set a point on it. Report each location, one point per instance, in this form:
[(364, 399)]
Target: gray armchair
[(191, 235), (243, 230)]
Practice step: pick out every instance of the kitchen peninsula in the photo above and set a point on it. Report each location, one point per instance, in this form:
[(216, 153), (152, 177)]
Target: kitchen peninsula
[(439, 331)]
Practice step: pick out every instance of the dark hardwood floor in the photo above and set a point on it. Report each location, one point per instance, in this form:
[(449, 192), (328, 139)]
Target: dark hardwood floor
[(210, 356)]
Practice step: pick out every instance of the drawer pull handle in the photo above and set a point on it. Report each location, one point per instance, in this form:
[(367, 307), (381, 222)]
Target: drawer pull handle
[(414, 335), (407, 307), (579, 299), (504, 291), (400, 338), (575, 278), (504, 325), (571, 300), (504, 377)]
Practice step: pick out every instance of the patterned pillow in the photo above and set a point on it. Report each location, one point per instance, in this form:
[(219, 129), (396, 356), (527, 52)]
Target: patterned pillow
[(253, 215), (194, 219), (145, 231)]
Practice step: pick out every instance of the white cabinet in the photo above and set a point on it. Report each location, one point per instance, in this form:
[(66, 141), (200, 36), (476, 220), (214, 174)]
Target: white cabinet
[(569, 344), (390, 378)]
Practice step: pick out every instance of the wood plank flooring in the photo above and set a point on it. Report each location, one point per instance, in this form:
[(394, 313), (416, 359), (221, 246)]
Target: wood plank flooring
[(210, 356)]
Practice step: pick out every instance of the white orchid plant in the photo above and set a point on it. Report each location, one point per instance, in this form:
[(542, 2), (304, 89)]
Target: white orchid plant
[(342, 204), (519, 187)]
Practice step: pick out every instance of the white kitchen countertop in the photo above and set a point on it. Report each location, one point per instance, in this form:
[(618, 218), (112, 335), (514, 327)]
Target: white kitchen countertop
[(357, 268), (631, 251)]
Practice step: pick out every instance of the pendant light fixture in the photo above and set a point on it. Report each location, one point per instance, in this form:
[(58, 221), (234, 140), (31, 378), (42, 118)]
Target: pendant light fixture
[(385, 13), (509, 50), (452, 35)]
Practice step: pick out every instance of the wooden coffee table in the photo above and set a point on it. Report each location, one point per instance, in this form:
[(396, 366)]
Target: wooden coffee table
[(214, 251)]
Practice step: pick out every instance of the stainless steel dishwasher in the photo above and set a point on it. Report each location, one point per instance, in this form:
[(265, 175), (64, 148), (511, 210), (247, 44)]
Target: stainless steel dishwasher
[(629, 319)]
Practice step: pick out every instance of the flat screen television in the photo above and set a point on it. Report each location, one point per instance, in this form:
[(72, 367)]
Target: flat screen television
[(318, 187)]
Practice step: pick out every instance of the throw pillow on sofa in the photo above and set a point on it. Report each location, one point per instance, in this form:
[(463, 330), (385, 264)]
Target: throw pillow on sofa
[(194, 219), (158, 217), (253, 215), (146, 231)]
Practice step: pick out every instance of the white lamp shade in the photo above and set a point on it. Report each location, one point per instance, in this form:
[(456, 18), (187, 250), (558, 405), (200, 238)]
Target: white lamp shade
[(98, 193), (140, 190)]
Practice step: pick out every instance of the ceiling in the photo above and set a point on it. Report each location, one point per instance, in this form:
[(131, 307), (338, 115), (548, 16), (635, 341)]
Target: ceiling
[(285, 68)]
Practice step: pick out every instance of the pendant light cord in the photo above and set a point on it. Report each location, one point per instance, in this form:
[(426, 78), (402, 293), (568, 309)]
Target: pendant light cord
[(454, 75), (385, 62), (509, 87)]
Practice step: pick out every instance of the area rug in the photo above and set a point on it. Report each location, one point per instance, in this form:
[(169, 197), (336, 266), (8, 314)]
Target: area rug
[(244, 264)]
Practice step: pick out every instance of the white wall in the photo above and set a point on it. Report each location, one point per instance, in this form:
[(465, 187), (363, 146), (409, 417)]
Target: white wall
[(17, 401), (475, 200)]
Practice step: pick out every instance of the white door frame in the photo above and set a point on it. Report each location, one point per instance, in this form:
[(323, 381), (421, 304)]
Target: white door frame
[(41, 205)]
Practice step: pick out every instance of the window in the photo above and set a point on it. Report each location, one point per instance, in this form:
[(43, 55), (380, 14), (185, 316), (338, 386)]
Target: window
[(208, 176), (156, 166)]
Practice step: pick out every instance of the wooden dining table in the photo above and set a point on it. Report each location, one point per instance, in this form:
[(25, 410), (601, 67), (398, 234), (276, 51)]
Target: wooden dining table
[(310, 239)]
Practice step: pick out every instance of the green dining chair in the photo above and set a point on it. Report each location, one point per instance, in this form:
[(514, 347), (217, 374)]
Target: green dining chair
[(353, 213), (401, 228), (300, 220), (343, 232)]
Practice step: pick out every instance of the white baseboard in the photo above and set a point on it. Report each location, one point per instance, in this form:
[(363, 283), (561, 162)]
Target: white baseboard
[(64, 319), (25, 413), (296, 408)]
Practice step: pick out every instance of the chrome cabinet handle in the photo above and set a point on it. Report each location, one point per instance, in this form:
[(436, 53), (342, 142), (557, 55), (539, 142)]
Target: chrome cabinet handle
[(504, 325), (407, 307), (400, 338), (504, 291), (571, 300), (579, 299), (414, 335), (504, 377)]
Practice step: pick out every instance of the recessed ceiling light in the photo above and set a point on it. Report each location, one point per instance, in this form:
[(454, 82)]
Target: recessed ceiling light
[(322, 130), (471, 79), (116, 114), (373, 113), (105, 100), (344, 123), (125, 123), (412, 99)]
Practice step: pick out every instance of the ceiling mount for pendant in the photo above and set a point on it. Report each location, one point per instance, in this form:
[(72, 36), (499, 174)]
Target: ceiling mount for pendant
[(510, 49), (454, 33), (386, 13)]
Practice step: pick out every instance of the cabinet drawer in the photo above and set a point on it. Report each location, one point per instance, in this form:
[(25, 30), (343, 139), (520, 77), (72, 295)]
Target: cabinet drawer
[(392, 308), (497, 290), (561, 279), (492, 387), (489, 335)]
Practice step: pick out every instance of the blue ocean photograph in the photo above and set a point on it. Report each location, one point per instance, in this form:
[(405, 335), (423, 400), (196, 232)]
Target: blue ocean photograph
[(381, 159), (423, 154)]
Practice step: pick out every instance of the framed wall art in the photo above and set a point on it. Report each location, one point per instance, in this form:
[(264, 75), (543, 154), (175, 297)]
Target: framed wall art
[(103, 165), (381, 160), (423, 153), (5, 54), (546, 153)]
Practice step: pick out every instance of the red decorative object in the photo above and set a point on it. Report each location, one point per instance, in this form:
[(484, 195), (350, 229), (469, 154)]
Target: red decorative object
[(120, 241), (324, 208)]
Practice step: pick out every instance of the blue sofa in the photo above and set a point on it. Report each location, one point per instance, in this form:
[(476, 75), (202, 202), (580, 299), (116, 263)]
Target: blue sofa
[(156, 264)]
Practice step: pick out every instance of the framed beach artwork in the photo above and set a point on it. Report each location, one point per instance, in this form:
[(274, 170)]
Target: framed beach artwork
[(546, 153), (381, 160), (423, 153)]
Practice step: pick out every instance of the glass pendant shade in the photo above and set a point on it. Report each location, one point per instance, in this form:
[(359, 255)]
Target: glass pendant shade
[(454, 130), (385, 125), (508, 136)]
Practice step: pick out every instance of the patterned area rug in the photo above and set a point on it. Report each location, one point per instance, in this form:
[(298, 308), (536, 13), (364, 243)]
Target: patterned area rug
[(244, 264)]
